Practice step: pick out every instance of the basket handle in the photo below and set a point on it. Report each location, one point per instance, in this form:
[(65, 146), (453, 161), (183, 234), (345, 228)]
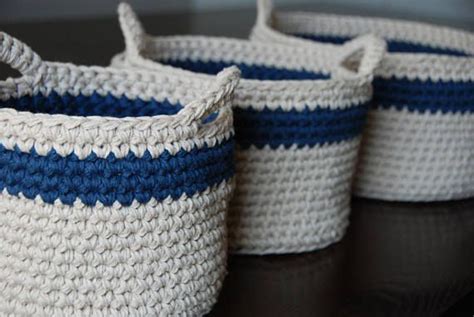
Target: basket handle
[(374, 49), (21, 57), (215, 98), (132, 29), (264, 11)]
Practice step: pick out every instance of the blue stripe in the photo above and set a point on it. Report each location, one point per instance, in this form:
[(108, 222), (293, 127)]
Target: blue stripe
[(417, 95), (109, 180), (303, 128), (394, 46), (421, 96), (248, 71), (278, 127), (94, 105)]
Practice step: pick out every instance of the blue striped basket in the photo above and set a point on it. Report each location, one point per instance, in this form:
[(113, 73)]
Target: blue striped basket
[(298, 120), (419, 140), (114, 195)]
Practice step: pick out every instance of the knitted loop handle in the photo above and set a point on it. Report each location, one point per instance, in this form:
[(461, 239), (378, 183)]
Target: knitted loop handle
[(264, 11), (217, 97), (19, 56), (374, 50), (132, 29)]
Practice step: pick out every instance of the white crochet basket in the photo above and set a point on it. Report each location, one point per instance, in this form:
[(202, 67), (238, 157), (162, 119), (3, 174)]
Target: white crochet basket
[(298, 120), (419, 140), (113, 195)]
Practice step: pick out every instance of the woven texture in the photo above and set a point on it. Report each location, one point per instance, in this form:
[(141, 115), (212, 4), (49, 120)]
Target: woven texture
[(298, 120), (419, 140), (114, 186)]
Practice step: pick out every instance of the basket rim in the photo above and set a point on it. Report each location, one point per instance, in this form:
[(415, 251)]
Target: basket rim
[(436, 36), (200, 99)]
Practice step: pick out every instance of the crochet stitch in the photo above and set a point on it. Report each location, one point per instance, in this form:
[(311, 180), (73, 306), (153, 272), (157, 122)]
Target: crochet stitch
[(298, 120), (418, 144), (114, 185)]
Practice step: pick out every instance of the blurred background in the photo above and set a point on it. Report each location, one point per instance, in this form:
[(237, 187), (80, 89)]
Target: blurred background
[(458, 12), (87, 31)]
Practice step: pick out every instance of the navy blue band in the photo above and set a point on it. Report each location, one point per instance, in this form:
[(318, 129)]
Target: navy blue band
[(303, 128), (421, 96), (110, 179)]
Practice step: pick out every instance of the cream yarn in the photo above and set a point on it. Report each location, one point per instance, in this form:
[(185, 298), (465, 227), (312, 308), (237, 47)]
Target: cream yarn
[(114, 189), (298, 119), (418, 144)]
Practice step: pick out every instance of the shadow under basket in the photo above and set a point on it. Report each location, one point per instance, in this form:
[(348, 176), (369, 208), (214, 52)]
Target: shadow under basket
[(115, 185)]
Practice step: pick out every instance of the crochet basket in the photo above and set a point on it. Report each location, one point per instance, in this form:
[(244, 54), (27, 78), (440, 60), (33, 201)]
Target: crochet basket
[(113, 194), (298, 119), (419, 139)]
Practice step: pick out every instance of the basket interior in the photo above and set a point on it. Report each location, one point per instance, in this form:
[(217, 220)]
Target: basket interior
[(393, 46), (89, 105), (248, 71)]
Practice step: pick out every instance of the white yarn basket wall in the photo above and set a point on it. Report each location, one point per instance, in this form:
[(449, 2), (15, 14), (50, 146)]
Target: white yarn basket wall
[(413, 149), (290, 196), (89, 225)]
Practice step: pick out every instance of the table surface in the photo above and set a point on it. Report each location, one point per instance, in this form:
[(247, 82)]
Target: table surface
[(397, 259)]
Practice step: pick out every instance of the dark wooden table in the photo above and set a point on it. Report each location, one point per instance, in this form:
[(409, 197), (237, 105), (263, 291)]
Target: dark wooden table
[(398, 259)]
